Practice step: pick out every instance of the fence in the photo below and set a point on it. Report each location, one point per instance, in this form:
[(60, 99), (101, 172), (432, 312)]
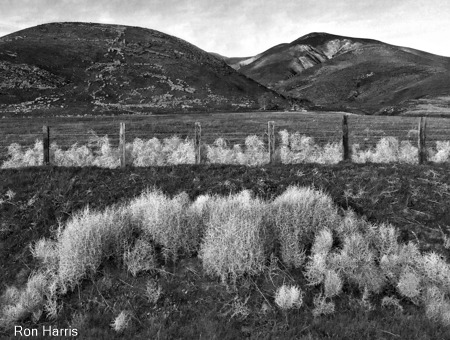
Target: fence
[(346, 146)]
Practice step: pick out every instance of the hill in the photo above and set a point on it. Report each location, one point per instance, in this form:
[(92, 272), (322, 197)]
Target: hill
[(352, 73), (88, 66)]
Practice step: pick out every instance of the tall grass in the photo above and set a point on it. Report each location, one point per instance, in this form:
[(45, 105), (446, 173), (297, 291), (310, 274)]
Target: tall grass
[(293, 149)]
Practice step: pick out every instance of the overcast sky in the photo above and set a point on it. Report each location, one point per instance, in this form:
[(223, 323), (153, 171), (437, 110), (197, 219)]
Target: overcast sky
[(248, 27)]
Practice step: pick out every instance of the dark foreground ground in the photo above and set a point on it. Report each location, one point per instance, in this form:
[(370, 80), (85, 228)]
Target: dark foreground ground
[(193, 306)]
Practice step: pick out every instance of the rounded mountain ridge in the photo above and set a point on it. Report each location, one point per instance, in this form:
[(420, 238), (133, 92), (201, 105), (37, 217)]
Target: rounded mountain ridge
[(116, 67)]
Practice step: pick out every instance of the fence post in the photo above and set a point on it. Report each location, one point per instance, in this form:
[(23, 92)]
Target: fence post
[(345, 145), (421, 143), (46, 144), (122, 145), (271, 134), (197, 142)]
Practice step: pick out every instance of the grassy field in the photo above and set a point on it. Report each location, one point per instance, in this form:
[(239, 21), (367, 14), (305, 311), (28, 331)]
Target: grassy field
[(234, 127), (169, 300)]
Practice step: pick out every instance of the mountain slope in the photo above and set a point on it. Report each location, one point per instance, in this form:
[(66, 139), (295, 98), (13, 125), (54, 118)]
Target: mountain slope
[(107, 67), (350, 73)]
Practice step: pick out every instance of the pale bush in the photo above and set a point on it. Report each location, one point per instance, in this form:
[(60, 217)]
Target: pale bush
[(75, 156), (384, 238), (443, 152), (255, 153), (392, 265), (436, 270), (88, 238), (323, 242), (408, 153), (11, 296), (288, 297), (387, 150), (198, 215), (391, 301), (356, 262), (350, 224), (178, 151), (298, 214), (121, 322), (331, 153), (409, 284), (148, 153), (233, 244), (46, 252), (322, 306), (108, 157), (434, 303), (316, 269), (219, 153), (29, 301), (165, 221), (153, 291), (140, 258), (19, 157), (332, 284), (297, 148)]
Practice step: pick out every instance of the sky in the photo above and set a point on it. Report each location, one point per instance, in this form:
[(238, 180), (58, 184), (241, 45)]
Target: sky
[(240, 28)]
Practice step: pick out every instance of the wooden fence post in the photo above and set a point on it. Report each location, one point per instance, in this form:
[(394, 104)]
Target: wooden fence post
[(198, 142), (421, 143), (345, 145), (122, 145), (271, 134), (46, 144)]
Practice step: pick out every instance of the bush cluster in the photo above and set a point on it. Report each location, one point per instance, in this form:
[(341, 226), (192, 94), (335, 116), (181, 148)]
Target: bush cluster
[(236, 236), (294, 149)]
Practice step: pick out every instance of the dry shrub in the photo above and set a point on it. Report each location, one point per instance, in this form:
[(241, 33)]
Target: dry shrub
[(332, 284), (233, 244), (166, 222), (29, 301), (298, 214), (322, 306), (356, 262), (19, 157), (140, 258), (221, 154), (75, 156), (288, 297), (153, 291), (387, 150), (442, 152), (409, 284), (121, 322), (296, 148), (391, 301), (45, 250), (89, 238), (435, 270)]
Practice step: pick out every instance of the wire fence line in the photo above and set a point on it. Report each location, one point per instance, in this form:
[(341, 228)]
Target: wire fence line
[(366, 131)]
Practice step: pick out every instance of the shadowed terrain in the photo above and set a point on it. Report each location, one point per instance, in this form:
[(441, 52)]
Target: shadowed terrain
[(78, 66)]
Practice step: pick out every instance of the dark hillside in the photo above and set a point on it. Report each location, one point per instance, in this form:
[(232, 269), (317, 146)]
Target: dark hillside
[(76, 66)]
